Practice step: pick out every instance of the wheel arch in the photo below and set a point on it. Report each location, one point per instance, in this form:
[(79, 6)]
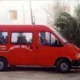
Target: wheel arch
[(1, 57), (64, 58)]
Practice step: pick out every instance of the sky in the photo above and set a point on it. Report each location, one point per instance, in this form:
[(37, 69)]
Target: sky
[(23, 10)]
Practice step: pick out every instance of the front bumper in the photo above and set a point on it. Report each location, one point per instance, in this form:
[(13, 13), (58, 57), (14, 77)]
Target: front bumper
[(75, 63)]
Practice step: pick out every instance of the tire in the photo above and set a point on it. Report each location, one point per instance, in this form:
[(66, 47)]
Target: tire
[(63, 66), (3, 64)]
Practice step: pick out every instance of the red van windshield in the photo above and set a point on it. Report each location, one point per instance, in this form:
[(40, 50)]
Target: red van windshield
[(59, 35)]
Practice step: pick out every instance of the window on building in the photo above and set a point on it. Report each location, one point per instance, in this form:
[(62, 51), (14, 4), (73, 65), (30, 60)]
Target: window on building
[(21, 38), (3, 37), (13, 14)]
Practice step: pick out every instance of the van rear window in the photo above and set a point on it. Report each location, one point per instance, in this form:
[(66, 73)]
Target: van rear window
[(3, 38), (21, 38)]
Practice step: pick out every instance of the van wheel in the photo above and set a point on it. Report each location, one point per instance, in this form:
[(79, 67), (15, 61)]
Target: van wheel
[(3, 64), (63, 66)]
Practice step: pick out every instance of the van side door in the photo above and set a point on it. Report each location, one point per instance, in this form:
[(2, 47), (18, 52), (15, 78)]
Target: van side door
[(21, 48)]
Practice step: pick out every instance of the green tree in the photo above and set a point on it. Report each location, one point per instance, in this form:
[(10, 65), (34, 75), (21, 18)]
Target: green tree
[(54, 11), (68, 27), (77, 15)]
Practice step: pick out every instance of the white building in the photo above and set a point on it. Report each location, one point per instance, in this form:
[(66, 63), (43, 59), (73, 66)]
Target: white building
[(21, 10), (9, 9)]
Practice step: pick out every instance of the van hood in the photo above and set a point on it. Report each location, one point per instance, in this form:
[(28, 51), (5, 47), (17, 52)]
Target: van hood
[(74, 47)]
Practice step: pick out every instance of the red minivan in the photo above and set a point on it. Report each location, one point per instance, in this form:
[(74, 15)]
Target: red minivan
[(36, 45)]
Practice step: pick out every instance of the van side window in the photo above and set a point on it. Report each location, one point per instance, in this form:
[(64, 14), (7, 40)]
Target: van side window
[(3, 37), (48, 39), (21, 38)]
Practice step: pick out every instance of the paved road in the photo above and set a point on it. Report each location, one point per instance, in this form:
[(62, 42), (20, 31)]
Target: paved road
[(29, 73)]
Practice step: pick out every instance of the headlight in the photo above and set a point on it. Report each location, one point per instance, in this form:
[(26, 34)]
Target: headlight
[(78, 55)]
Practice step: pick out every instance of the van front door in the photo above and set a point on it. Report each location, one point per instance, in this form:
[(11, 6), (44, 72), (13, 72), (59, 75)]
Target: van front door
[(48, 48)]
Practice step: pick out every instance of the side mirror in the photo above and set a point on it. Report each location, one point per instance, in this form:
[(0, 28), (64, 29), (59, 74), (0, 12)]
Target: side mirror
[(59, 44)]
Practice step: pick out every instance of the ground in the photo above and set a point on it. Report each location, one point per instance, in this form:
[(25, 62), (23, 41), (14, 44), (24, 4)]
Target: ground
[(30, 73)]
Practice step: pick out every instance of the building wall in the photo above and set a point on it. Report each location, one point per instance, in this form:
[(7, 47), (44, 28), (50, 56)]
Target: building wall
[(23, 12)]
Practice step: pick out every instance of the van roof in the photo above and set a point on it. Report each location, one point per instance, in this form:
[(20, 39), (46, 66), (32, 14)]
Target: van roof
[(23, 27)]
